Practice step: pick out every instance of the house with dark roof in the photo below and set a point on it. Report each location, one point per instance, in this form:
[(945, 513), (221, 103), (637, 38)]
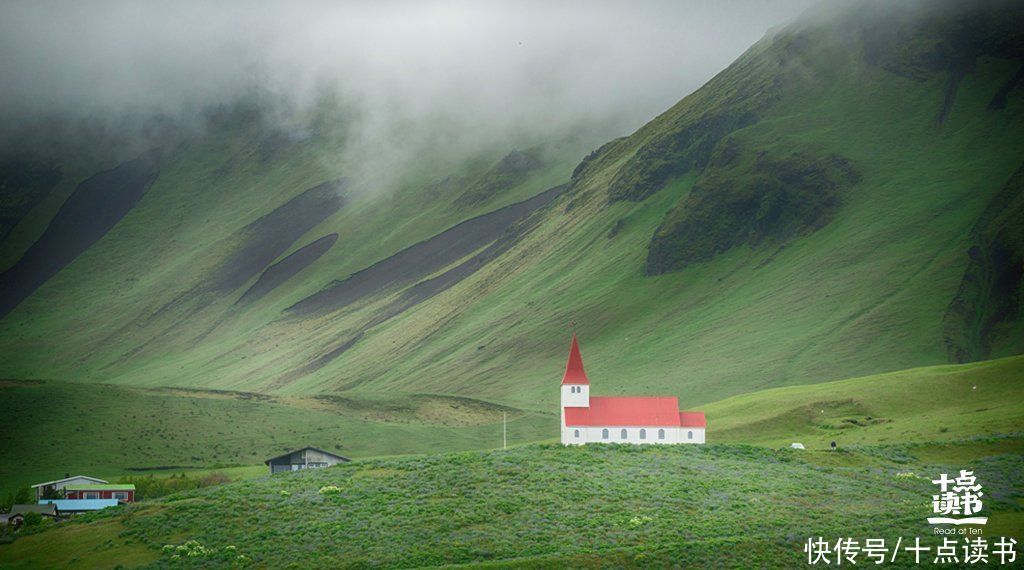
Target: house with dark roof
[(18, 512), (636, 420), (305, 458)]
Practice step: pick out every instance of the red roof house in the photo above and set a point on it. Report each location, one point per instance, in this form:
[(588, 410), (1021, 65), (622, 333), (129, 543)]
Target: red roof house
[(595, 419)]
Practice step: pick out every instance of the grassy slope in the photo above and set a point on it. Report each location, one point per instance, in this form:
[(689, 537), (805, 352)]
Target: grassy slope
[(208, 188), (536, 505), (719, 505), (920, 405), (108, 430), (865, 294)]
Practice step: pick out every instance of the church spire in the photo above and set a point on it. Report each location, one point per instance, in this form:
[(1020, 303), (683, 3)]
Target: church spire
[(574, 373)]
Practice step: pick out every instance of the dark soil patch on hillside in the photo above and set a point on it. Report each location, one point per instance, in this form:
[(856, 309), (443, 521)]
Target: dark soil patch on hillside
[(268, 237), (285, 269), (95, 206), (998, 101), (763, 201), (24, 181), (989, 296), (510, 232), (956, 76), (416, 262)]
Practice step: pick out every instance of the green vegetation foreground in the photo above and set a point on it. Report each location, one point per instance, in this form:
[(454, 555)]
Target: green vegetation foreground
[(543, 505)]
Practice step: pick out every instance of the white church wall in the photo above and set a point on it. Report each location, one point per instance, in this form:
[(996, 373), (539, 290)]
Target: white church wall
[(588, 434)]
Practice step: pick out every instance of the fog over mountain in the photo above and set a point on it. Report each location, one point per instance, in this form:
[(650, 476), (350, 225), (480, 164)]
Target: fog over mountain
[(496, 67)]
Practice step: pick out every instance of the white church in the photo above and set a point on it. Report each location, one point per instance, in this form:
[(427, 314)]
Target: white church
[(602, 419)]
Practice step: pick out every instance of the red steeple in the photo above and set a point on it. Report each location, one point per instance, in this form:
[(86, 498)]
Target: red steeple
[(574, 373)]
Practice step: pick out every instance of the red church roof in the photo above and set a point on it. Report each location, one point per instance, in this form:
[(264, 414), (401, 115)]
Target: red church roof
[(626, 412), (574, 373), (692, 419)]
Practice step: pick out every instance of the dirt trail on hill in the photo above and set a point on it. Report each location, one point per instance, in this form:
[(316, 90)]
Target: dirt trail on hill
[(95, 206), (424, 258)]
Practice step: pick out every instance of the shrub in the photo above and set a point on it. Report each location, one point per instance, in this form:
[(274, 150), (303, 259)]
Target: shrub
[(33, 519), (330, 490)]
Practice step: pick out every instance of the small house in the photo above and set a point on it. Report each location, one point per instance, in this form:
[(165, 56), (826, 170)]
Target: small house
[(121, 492), (305, 458), (50, 487), (18, 512)]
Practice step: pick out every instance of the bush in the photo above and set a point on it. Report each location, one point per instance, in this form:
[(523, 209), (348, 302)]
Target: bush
[(33, 520), (150, 486), (330, 490)]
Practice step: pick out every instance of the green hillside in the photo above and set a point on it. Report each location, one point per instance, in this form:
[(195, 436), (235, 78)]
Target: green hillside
[(843, 200), (53, 428), (918, 406), (112, 431)]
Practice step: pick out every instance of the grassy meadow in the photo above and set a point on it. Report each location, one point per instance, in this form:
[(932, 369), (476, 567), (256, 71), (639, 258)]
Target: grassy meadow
[(111, 431), (534, 506), (745, 499), (918, 406)]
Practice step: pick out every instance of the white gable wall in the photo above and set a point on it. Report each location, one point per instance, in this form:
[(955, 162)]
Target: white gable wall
[(62, 483)]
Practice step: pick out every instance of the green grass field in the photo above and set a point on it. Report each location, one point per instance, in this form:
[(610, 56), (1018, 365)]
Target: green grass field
[(922, 405), (109, 431), (543, 506)]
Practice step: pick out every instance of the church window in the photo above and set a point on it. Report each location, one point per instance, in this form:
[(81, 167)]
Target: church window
[(623, 433), (661, 434), (643, 434), (577, 433), (604, 433), (689, 435)]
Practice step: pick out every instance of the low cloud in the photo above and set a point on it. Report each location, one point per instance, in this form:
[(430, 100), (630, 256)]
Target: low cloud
[(438, 71)]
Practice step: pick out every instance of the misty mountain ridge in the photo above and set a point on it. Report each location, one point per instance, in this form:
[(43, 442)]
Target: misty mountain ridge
[(843, 199)]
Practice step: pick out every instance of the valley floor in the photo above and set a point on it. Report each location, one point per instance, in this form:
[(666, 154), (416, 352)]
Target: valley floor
[(534, 505)]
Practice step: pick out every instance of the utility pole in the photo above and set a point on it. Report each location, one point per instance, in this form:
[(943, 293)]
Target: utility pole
[(504, 430)]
